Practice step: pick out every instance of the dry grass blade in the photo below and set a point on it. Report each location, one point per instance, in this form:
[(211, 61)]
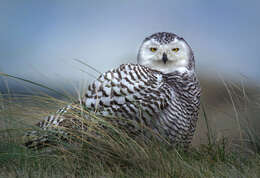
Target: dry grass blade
[(89, 66)]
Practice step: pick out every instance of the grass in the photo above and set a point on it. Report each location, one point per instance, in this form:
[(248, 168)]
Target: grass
[(113, 153)]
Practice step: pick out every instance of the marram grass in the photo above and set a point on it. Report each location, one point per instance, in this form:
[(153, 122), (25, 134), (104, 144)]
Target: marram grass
[(111, 152)]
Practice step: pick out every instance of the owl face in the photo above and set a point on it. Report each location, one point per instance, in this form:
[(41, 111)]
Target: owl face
[(166, 52)]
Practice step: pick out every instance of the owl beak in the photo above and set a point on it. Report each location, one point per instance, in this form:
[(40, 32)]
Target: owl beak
[(164, 58)]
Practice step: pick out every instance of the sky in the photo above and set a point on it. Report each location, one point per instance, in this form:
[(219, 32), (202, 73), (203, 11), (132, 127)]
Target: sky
[(40, 40)]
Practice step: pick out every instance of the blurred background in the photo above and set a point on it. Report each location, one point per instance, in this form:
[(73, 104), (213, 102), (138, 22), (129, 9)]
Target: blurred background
[(40, 40)]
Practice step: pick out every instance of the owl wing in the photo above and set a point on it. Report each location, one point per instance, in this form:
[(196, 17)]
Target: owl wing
[(128, 90)]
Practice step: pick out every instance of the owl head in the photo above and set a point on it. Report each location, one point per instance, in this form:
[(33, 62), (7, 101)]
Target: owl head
[(166, 52)]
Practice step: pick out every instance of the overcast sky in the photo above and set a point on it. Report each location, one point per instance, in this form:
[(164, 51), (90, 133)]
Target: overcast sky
[(40, 39)]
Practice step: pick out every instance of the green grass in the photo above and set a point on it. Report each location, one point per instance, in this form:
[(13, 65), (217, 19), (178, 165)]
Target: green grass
[(113, 153)]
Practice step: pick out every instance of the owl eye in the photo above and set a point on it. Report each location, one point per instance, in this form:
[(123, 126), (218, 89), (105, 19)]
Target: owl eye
[(175, 49), (153, 49)]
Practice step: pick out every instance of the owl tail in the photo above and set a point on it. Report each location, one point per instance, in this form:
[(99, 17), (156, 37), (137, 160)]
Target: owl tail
[(49, 132), (37, 139), (37, 142)]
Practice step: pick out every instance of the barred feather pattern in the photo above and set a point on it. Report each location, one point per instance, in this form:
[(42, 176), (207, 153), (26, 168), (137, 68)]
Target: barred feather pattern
[(128, 91), (166, 103), (180, 117)]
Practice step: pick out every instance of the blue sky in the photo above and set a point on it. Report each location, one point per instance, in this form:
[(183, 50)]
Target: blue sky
[(40, 39)]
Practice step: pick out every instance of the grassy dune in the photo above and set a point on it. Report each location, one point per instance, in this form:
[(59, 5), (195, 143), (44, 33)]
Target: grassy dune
[(226, 143)]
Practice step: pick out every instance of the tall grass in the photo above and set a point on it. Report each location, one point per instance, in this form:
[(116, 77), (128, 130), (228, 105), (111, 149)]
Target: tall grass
[(111, 152)]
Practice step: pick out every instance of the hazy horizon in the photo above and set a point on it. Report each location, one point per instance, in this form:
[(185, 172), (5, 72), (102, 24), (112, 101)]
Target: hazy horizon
[(40, 39)]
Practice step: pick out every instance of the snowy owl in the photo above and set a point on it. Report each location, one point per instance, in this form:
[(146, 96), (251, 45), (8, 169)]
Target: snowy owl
[(161, 92)]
